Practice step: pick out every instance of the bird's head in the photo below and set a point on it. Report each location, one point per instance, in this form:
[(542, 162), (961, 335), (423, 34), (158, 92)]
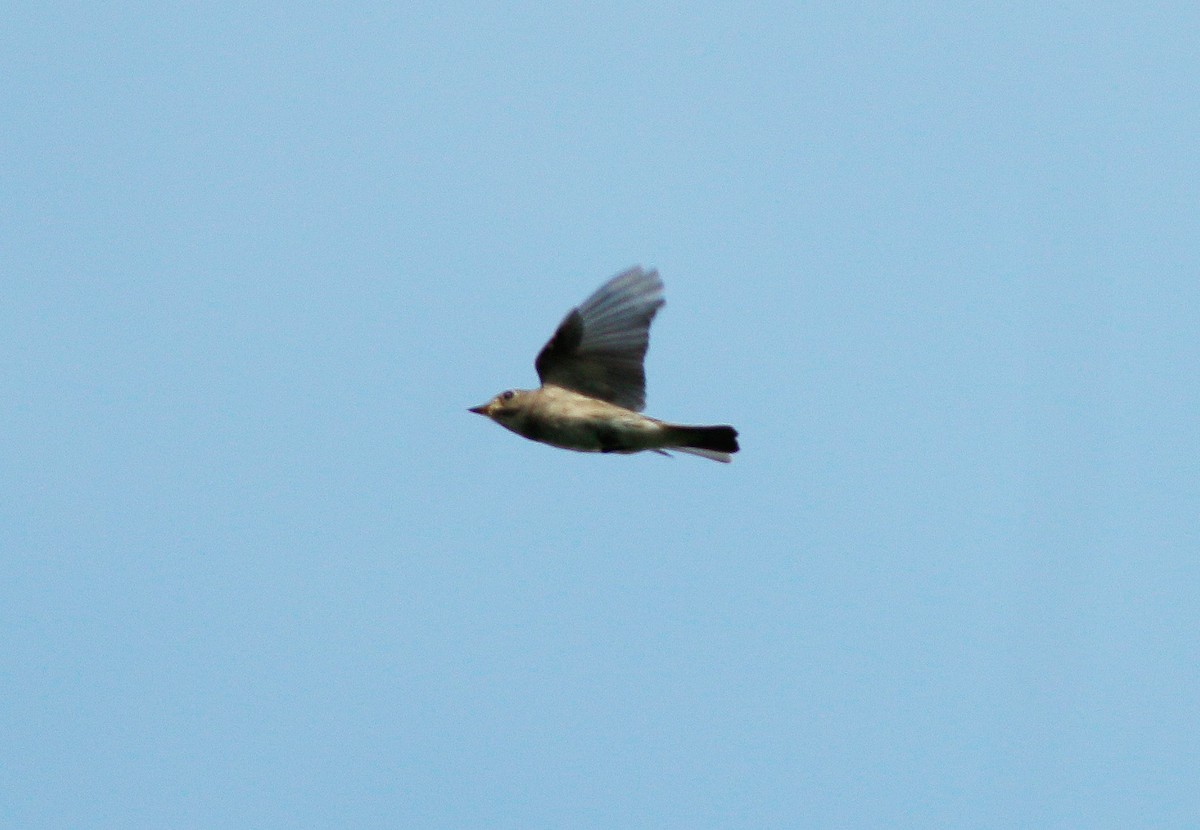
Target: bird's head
[(503, 407)]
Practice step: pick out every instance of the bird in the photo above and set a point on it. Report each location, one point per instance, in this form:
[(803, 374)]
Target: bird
[(593, 383)]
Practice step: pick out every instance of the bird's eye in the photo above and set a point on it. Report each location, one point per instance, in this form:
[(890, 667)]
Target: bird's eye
[(506, 395)]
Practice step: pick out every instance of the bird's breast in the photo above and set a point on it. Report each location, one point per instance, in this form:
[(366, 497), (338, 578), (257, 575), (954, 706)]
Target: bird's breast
[(572, 421)]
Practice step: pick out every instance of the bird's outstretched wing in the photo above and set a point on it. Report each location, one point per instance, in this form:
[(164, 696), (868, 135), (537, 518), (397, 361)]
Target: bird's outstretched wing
[(599, 347)]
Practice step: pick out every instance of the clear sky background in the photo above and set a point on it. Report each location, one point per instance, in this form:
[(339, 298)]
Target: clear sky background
[(939, 263)]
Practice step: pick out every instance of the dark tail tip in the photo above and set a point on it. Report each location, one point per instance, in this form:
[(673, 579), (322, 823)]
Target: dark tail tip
[(717, 439)]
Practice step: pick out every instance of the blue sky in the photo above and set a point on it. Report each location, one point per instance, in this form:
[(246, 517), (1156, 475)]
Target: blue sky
[(937, 262)]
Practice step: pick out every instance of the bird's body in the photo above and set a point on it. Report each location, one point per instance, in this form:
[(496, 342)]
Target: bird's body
[(566, 419), (593, 382)]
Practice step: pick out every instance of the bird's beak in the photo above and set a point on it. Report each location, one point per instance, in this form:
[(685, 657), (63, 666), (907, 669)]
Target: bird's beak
[(482, 409)]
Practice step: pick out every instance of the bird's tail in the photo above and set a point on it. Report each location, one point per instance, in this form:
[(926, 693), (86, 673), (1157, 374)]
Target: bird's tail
[(717, 443)]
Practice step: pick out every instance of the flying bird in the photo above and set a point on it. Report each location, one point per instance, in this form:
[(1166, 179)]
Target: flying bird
[(593, 383)]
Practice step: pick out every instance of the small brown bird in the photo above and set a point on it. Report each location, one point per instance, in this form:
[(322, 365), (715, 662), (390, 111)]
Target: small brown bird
[(593, 383)]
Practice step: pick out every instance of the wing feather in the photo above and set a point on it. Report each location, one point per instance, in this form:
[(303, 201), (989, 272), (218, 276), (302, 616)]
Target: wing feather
[(599, 347)]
